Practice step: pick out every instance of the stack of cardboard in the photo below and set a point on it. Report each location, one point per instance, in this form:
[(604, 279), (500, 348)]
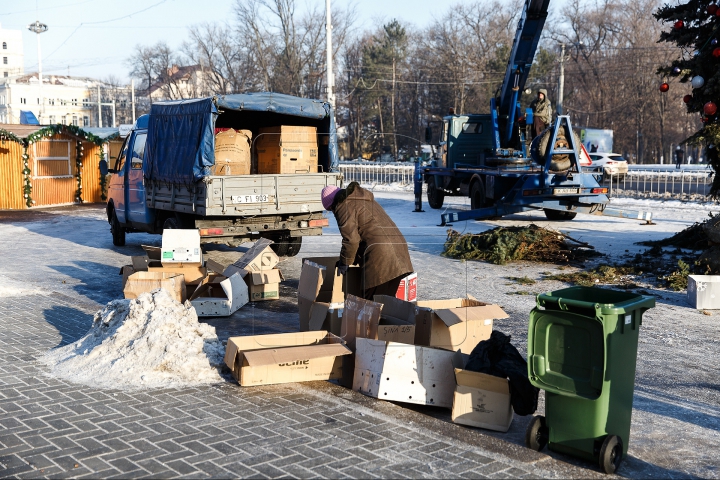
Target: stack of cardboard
[(258, 267), (287, 149), (178, 266), (232, 152)]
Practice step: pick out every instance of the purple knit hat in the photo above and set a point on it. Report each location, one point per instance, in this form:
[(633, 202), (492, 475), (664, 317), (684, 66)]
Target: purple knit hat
[(328, 195)]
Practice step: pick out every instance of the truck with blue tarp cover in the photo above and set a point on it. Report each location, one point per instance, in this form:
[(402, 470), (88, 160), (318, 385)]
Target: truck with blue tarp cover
[(164, 176), (492, 159)]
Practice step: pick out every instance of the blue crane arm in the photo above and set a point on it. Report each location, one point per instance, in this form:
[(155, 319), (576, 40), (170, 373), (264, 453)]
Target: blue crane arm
[(523, 51)]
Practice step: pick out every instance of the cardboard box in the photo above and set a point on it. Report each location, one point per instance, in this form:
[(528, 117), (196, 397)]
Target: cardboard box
[(404, 373), (457, 324), (259, 257), (192, 274), (219, 296), (408, 288), (397, 320), (264, 285), (232, 152), (482, 400), (287, 149), (285, 357), (321, 293), (360, 320), (142, 282), (181, 246), (703, 291), (126, 271)]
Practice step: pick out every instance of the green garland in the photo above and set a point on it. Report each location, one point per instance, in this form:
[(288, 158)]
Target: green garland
[(27, 188), (78, 170), (103, 178)]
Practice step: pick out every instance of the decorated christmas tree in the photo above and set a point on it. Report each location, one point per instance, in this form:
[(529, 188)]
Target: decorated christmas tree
[(695, 29)]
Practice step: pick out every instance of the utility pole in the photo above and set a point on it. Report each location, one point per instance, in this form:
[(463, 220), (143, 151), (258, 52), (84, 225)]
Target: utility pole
[(132, 98), (328, 60), (99, 108), (392, 111), (39, 28), (561, 78)]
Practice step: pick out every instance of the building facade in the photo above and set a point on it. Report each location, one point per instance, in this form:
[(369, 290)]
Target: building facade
[(12, 57)]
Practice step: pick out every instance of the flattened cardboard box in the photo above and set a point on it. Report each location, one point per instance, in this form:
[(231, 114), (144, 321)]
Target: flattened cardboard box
[(321, 293), (264, 285), (219, 296), (259, 257), (404, 373), (181, 246), (457, 324), (481, 400), (142, 282), (285, 358)]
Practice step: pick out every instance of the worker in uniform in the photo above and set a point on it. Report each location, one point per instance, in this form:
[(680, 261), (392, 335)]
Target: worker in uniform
[(370, 239), (542, 112)]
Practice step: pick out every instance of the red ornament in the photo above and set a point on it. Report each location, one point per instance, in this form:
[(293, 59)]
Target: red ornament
[(664, 87), (716, 52), (687, 98), (712, 9), (710, 108), (679, 24)]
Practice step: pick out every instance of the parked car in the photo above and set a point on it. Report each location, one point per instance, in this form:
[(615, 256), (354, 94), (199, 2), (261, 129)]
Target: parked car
[(608, 164)]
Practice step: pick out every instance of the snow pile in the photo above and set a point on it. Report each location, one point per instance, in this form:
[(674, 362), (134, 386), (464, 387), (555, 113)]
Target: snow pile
[(152, 341)]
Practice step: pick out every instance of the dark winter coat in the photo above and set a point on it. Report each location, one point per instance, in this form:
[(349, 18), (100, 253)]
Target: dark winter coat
[(542, 109), (369, 237)]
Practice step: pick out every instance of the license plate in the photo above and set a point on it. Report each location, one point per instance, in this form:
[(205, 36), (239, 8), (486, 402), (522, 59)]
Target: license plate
[(250, 198), (560, 191)]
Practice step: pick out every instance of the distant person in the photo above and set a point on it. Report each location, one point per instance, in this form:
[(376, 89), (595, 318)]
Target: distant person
[(369, 239), (593, 148), (678, 156), (542, 112)]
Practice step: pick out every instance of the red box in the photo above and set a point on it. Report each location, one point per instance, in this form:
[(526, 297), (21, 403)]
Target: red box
[(408, 288)]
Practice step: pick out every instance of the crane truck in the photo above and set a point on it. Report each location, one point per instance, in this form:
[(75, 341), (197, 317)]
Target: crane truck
[(491, 159)]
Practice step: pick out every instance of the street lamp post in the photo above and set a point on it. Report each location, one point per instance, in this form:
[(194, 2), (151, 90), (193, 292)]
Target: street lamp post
[(39, 28)]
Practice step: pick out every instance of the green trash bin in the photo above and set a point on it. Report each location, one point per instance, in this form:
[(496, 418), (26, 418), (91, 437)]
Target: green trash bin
[(582, 349)]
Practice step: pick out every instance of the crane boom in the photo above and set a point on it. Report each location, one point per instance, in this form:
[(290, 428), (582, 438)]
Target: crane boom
[(523, 51)]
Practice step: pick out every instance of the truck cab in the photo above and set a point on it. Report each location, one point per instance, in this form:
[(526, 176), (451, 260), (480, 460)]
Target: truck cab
[(126, 190)]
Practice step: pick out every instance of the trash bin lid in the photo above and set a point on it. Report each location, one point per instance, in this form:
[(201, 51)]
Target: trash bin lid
[(566, 353)]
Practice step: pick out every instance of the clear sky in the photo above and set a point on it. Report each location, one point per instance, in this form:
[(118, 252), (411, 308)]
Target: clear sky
[(95, 37)]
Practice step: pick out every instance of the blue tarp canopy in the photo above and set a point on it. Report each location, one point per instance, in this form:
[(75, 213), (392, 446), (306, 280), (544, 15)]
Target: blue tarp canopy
[(28, 118), (181, 134)]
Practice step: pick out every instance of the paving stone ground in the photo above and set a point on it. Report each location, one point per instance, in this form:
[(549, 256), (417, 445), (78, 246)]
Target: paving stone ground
[(51, 428)]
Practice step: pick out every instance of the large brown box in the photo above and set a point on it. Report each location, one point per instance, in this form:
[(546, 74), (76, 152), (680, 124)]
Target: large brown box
[(287, 149), (232, 152)]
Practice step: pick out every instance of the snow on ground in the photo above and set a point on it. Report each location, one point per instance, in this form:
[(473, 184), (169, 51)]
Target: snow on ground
[(152, 341)]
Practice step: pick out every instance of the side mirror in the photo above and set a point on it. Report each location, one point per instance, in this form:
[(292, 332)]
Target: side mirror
[(104, 170)]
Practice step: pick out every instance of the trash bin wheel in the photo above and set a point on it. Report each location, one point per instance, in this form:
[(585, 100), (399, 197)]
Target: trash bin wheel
[(536, 435), (611, 454)]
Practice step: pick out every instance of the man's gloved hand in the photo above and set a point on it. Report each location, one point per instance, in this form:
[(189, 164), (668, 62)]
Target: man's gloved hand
[(341, 268)]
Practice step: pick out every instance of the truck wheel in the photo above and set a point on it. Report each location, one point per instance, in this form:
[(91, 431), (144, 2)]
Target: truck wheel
[(557, 215), (287, 247), (477, 196), (118, 232), (171, 223), (611, 454), (435, 197), (536, 435)]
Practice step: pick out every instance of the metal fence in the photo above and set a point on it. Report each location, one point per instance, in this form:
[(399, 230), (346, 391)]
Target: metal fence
[(660, 183), (378, 173), (640, 181)]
